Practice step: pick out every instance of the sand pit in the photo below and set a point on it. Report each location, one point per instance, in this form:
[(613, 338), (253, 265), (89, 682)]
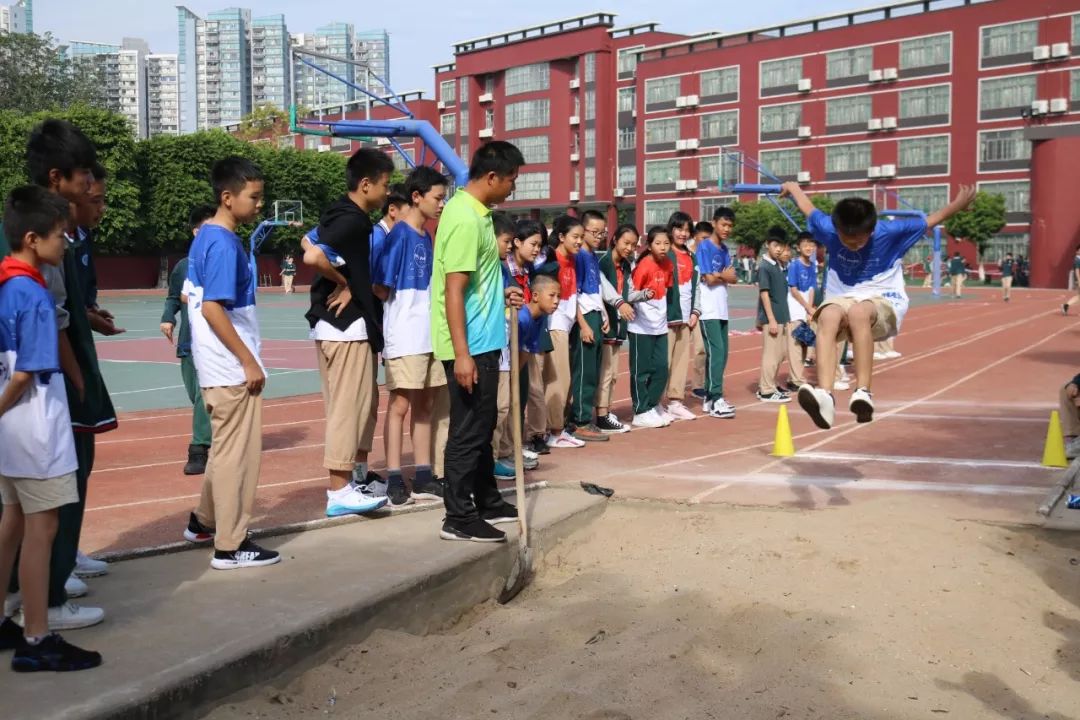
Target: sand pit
[(892, 608)]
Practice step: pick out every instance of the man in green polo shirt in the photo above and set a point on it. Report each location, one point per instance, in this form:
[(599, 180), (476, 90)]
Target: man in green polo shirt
[(468, 333)]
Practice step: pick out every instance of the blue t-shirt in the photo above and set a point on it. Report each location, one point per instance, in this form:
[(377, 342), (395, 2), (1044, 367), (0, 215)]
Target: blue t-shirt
[(28, 329), (531, 330), (889, 242), (800, 276), (378, 242), (405, 266), (712, 258)]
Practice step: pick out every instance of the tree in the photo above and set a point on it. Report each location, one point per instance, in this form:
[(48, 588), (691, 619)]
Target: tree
[(35, 76), (265, 121), (753, 219), (980, 222)]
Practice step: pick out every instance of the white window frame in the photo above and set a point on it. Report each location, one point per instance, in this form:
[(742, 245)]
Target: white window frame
[(909, 92), (448, 124), (519, 115), (723, 113), (904, 193), (985, 30), (1017, 141), (768, 109), (667, 82), (667, 128), (869, 156), (627, 175), (855, 62), (533, 186), (623, 94), (923, 138), (653, 164), (627, 62), (987, 186), (535, 148), (783, 80), (521, 79), (781, 169), (448, 96), (926, 39), (653, 206), (863, 102), (721, 71), (984, 81)]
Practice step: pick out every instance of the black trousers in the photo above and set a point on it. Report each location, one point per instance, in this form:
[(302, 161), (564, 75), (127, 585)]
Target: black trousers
[(469, 462)]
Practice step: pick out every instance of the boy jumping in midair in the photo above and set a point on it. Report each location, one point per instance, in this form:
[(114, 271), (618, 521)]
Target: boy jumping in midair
[(865, 300)]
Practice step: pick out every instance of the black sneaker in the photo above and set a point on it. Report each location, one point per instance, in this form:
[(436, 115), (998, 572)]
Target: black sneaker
[(775, 397), (475, 531), (1065, 308), (196, 532), (399, 495), (435, 489), (610, 425), (699, 393), (500, 514), (247, 555), (197, 455), (11, 635), (55, 655), (539, 446), (790, 387)]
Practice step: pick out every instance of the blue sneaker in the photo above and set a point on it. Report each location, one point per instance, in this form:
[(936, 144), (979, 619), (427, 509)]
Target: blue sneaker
[(699, 393), (504, 472), (353, 502)]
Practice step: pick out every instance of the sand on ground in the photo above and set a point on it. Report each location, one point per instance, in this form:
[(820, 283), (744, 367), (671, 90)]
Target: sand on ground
[(891, 608)]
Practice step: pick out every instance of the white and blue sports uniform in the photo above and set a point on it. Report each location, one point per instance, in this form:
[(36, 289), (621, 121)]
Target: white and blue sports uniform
[(587, 268), (218, 270), (804, 279), (874, 270), (712, 259), (405, 267)]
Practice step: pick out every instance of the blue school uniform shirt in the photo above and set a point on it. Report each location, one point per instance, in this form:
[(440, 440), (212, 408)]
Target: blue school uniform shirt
[(710, 259), (531, 330), (218, 270), (587, 267), (38, 441), (405, 266), (378, 242), (801, 277)]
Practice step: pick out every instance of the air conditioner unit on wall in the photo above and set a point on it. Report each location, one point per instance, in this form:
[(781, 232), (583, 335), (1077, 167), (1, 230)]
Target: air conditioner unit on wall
[(803, 176), (875, 76), (680, 101), (889, 74), (692, 143), (1041, 52), (680, 184), (575, 83), (692, 100), (1059, 105), (888, 171), (1059, 50), (1040, 107), (805, 85), (574, 196), (888, 123), (691, 184), (873, 124), (486, 132), (575, 120), (486, 98), (574, 157), (804, 131), (382, 141), (618, 192), (441, 105), (874, 171)]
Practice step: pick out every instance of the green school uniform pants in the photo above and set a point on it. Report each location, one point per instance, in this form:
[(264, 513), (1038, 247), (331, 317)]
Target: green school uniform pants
[(715, 335), (585, 369), (648, 370), (200, 421)]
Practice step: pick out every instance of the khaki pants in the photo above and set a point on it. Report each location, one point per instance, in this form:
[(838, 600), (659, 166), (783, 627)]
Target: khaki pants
[(773, 351), (794, 355), (678, 353), (440, 427), (351, 397), (536, 405), (1006, 285), (502, 441), (1070, 414), (232, 471), (958, 284), (609, 374), (557, 379), (287, 283), (697, 374)]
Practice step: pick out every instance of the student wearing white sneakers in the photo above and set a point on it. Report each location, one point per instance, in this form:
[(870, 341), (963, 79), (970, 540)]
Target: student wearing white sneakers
[(717, 272), (648, 331)]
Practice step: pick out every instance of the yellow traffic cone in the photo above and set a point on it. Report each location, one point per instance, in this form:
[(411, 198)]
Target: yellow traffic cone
[(1054, 450), (784, 445)]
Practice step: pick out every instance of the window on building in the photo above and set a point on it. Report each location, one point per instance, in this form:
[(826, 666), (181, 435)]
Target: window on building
[(575, 181), (1017, 194), (1002, 243), (661, 172), (527, 78), (447, 90), (489, 84), (535, 148), (627, 176), (627, 138), (661, 131), (590, 69), (590, 142), (464, 151), (312, 142), (1007, 92), (528, 114), (927, 198), (662, 90), (709, 169), (926, 52), (1003, 146), (1013, 39), (464, 122), (489, 118), (838, 195), (923, 152), (781, 163), (400, 163), (628, 60), (1075, 30), (1075, 94), (781, 73), (719, 82), (847, 158), (709, 205), (533, 186), (720, 125), (463, 93), (781, 118), (856, 62), (448, 124), (657, 212), (575, 144), (627, 99), (590, 104), (590, 182), (855, 110), (925, 102)]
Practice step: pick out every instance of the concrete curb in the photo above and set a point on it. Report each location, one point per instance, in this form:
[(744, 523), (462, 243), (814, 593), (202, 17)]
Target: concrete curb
[(162, 669), (1057, 516)]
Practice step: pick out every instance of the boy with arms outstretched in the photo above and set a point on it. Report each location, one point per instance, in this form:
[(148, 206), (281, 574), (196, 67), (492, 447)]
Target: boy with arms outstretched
[(865, 298)]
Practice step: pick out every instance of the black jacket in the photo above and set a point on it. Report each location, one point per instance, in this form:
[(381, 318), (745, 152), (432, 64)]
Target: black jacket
[(347, 229)]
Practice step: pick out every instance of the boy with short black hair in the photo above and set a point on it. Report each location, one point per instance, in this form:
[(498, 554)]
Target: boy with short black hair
[(38, 462), (957, 274), (772, 316), (176, 302), (403, 281), (225, 343), (586, 337), (703, 230), (717, 272), (288, 273), (1007, 267), (393, 209), (801, 277), (865, 296), (88, 215)]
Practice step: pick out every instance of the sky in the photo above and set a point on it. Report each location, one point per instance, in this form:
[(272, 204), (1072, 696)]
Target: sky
[(415, 46)]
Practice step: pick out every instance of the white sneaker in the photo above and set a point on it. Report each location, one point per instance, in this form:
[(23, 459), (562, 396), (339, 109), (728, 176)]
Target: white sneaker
[(892, 355), (12, 603), (678, 411), (862, 405), (352, 501), (647, 419), (88, 567), (75, 588), (564, 440), (841, 385), (707, 406), (70, 616), (665, 417), (529, 454), (819, 405), (881, 356), (721, 408)]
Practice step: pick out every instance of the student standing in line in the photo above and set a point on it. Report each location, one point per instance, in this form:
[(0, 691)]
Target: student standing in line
[(616, 273), (957, 274), (586, 338), (801, 278), (176, 302), (683, 313), (772, 317), (717, 272), (702, 232), (288, 273), (648, 331), (526, 249)]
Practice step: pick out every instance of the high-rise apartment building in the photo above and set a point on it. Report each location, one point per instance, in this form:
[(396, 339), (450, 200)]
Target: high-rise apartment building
[(316, 89), (17, 17), (373, 47), (123, 72), (223, 54), (270, 56), (163, 94), (187, 67), (82, 49)]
